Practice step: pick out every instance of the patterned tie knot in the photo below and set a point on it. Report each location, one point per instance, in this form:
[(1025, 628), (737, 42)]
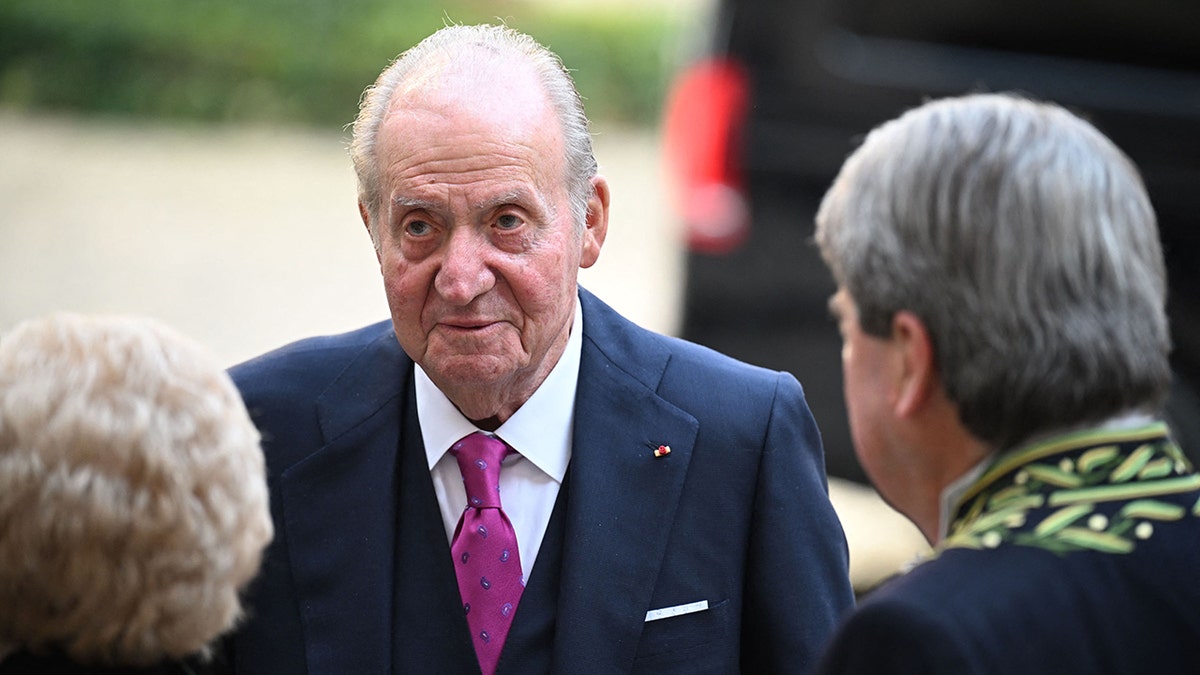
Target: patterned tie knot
[(479, 457)]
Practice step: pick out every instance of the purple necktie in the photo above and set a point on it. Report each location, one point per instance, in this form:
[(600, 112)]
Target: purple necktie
[(485, 549)]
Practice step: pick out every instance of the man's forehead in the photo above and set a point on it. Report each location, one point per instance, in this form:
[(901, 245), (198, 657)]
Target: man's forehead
[(519, 116), (476, 80)]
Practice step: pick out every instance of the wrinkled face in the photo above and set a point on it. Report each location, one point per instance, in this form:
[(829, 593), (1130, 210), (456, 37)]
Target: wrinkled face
[(477, 247), (864, 377)]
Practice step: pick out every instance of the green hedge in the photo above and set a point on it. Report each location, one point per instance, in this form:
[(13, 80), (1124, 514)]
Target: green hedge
[(296, 61)]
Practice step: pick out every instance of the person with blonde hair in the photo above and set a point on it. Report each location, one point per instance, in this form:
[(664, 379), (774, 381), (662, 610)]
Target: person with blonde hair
[(133, 501), (1001, 298)]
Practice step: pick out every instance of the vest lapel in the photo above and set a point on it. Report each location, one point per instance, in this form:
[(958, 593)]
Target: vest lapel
[(431, 634), (530, 643)]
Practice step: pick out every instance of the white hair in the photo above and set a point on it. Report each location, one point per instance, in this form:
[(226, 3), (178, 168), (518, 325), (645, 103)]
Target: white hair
[(133, 498)]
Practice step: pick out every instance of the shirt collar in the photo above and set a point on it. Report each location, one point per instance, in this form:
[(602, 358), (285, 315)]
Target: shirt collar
[(540, 429), (955, 490)]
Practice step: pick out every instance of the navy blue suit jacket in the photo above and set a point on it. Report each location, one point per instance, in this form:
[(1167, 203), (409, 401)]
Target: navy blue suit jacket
[(737, 514), (1074, 557)]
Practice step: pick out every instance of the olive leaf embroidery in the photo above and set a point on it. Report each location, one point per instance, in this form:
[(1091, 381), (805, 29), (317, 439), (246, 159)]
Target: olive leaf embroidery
[(1105, 498)]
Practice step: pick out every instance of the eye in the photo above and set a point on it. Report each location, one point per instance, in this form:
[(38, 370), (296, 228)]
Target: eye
[(508, 222), (417, 228)]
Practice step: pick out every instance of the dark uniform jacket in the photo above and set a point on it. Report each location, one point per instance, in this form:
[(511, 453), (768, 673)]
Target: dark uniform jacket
[(1080, 554)]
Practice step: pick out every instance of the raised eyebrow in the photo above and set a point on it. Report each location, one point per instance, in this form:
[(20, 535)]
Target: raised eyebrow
[(410, 203), (511, 197)]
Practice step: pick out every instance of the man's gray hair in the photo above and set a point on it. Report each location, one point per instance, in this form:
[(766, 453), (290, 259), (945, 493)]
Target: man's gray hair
[(1025, 242), (452, 44)]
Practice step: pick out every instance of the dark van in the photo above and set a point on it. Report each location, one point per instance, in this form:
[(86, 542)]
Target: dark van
[(758, 127)]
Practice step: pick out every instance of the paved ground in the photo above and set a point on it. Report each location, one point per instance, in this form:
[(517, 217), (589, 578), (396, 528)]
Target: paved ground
[(249, 238)]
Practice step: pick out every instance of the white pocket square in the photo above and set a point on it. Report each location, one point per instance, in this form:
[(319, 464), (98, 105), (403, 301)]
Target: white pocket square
[(677, 610)]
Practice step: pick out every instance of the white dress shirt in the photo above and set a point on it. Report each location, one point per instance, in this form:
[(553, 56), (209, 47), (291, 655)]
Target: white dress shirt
[(540, 430)]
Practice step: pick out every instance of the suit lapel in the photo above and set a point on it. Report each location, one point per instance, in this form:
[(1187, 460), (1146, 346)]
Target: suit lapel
[(338, 511), (622, 499)]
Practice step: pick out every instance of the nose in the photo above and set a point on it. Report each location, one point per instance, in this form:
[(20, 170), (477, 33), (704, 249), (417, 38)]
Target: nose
[(465, 273)]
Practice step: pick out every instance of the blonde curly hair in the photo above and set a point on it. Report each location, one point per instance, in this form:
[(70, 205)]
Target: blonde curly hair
[(133, 499)]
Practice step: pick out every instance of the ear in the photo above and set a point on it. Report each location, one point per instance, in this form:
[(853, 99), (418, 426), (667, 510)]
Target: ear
[(595, 222), (366, 218), (918, 371)]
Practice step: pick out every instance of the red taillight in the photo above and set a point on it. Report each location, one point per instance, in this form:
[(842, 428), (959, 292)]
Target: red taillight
[(704, 117)]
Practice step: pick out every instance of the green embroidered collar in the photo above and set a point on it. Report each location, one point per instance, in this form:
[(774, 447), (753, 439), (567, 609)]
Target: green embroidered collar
[(1099, 490)]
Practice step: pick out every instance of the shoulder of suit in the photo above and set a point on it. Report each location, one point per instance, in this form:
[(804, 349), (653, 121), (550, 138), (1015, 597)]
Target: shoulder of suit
[(314, 358), (625, 343)]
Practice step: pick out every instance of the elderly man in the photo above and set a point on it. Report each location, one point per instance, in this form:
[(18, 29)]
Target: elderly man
[(508, 476), (1000, 296)]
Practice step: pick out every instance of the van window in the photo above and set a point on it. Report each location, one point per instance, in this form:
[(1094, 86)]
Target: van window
[(1153, 33)]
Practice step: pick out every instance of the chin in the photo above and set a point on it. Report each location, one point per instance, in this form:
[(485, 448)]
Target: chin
[(475, 370)]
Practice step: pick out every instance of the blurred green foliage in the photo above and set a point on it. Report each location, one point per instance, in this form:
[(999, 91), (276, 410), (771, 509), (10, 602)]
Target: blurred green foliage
[(296, 61)]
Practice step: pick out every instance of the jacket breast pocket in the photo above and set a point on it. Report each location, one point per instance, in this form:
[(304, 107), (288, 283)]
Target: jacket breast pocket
[(689, 641)]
